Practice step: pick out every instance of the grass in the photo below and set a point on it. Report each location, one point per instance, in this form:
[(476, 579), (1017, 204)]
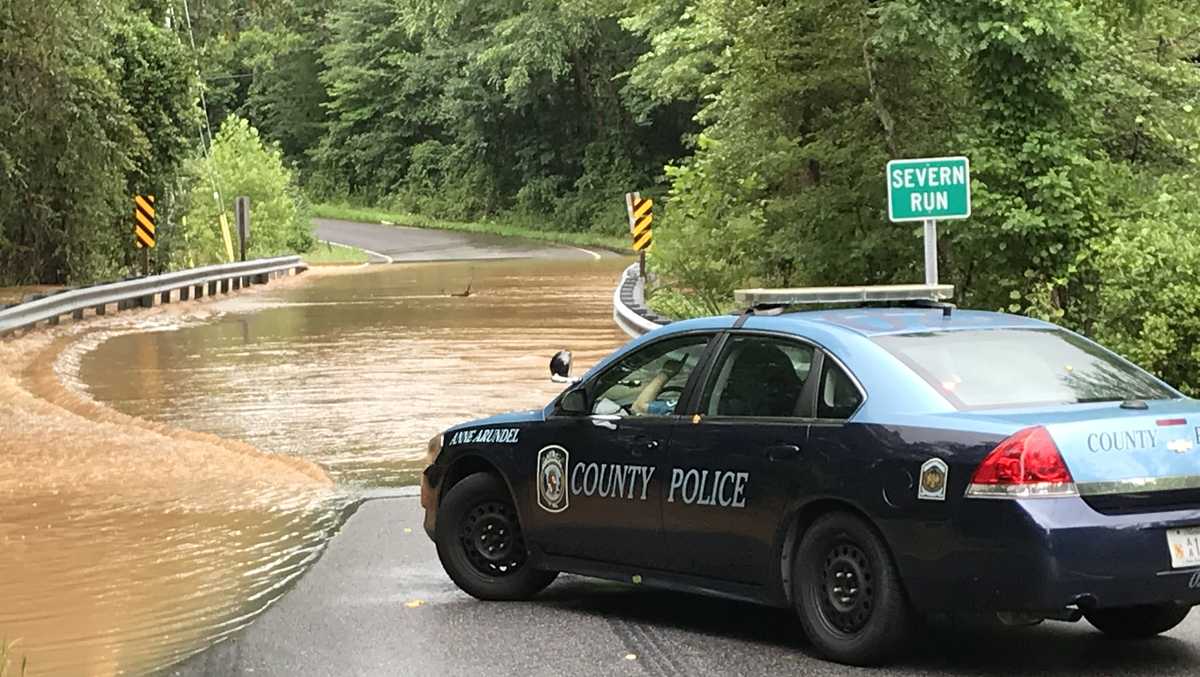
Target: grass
[(329, 253), (576, 239)]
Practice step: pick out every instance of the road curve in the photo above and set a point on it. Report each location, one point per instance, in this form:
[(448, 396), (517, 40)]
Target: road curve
[(404, 244), (378, 603)]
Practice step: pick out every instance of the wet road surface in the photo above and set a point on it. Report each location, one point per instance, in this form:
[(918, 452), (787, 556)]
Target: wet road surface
[(405, 244), (378, 603)]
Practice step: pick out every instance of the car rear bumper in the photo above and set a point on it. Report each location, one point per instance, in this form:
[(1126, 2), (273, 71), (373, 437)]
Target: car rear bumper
[(1043, 556)]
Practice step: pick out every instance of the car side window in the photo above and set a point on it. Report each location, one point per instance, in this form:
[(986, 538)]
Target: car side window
[(758, 376), (837, 396), (650, 381)]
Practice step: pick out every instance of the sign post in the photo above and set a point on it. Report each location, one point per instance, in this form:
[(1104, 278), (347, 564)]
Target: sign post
[(241, 209), (927, 190)]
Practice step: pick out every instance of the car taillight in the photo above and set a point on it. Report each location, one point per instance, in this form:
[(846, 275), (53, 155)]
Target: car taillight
[(1025, 465)]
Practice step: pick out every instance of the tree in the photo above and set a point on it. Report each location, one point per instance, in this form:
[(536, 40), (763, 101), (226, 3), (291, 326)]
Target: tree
[(242, 165)]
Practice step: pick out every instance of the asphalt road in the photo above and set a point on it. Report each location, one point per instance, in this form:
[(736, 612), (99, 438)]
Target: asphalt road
[(400, 243), (378, 603)]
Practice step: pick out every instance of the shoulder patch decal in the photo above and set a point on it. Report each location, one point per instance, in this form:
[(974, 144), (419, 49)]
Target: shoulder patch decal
[(935, 474), (551, 476)]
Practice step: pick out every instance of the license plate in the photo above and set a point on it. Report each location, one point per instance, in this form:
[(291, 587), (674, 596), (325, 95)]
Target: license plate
[(1184, 545)]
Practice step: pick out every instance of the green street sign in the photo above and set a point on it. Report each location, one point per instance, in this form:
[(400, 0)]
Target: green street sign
[(929, 188)]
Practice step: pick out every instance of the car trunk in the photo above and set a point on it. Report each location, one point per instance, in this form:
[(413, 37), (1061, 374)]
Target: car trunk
[(1126, 460)]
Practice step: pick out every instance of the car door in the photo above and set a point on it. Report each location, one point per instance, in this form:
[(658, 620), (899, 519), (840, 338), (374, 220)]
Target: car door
[(610, 463), (739, 460)]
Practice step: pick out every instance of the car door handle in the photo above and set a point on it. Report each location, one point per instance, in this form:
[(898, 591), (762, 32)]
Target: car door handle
[(782, 452), (601, 421)]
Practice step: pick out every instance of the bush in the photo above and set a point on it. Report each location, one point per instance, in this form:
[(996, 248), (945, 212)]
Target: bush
[(241, 165), (1147, 306)]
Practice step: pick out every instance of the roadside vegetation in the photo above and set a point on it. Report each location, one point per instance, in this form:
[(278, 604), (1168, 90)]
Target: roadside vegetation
[(328, 253), (762, 130)]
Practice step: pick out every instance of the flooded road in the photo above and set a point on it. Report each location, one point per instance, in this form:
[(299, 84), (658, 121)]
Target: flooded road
[(128, 542), (357, 372)]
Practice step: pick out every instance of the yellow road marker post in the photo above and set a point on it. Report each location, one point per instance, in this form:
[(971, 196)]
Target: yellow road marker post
[(641, 218)]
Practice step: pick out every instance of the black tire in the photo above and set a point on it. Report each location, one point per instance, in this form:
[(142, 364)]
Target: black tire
[(1137, 622), (479, 542), (848, 594)]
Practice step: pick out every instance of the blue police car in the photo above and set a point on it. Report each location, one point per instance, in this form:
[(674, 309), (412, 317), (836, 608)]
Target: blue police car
[(866, 466)]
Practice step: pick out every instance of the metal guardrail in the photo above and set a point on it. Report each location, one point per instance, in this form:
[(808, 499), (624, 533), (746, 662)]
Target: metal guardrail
[(141, 292), (629, 305)]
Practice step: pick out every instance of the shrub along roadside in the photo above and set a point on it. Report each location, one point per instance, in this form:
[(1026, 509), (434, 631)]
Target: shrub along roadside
[(241, 164), (371, 215)]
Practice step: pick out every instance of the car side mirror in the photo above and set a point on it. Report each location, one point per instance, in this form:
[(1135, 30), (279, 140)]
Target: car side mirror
[(574, 402), (560, 367)]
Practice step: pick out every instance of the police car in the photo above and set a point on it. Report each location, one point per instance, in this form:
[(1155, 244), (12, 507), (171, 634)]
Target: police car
[(865, 466)]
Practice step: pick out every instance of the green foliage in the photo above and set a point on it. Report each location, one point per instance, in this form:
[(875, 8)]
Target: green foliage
[(1080, 119), (96, 104), (470, 111), (240, 164), (1146, 305), (762, 128)]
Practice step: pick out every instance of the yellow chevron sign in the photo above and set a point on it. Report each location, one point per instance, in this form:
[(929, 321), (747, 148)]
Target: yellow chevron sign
[(143, 221), (641, 216)]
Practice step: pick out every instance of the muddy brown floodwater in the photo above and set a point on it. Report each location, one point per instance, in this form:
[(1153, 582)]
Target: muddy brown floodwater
[(127, 541), (357, 372)]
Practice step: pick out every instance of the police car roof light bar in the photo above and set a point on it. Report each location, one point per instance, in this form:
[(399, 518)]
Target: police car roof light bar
[(925, 293)]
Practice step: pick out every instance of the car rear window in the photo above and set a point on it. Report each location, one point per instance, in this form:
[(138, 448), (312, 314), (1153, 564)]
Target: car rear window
[(997, 368)]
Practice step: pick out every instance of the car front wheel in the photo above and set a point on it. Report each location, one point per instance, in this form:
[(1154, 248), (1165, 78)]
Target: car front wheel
[(848, 593), (479, 542), (1137, 622)]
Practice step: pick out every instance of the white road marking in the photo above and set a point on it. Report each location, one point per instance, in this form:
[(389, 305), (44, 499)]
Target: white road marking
[(372, 253), (593, 254)]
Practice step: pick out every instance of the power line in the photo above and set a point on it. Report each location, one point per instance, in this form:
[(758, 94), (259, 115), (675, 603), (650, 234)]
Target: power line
[(205, 126)]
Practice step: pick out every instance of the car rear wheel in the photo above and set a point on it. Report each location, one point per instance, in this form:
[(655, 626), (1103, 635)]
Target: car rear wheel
[(479, 542), (1137, 622), (848, 593)]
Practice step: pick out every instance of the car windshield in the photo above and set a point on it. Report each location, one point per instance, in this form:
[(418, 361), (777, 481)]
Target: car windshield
[(998, 368)]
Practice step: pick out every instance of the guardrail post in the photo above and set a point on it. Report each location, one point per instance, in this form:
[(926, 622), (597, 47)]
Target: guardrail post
[(101, 309), (77, 314), (165, 297), (185, 293)]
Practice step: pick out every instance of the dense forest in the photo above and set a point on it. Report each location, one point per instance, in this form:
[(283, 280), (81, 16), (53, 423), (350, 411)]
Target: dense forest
[(763, 127)]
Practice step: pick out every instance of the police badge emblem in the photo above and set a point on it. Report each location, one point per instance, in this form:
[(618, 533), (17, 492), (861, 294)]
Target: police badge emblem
[(552, 479), (934, 474)]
